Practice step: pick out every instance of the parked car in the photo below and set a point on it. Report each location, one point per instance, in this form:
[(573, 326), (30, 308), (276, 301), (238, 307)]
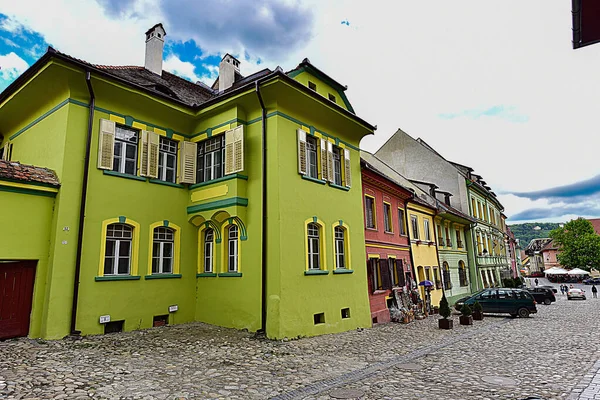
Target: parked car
[(554, 290), (502, 300), (592, 281), (575, 294), (542, 295), (537, 274)]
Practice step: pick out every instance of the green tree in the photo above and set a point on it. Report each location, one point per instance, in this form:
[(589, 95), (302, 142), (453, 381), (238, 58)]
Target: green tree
[(578, 243)]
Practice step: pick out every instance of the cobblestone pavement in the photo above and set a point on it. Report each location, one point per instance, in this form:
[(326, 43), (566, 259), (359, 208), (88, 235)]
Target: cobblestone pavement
[(498, 358)]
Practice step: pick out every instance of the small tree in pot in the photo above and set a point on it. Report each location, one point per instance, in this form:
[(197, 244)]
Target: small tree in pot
[(477, 311), (466, 318), (445, 312)]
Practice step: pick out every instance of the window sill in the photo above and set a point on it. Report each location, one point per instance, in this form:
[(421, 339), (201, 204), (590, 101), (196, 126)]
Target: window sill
[(206, 275), (333, 185), (372, 229), (388, 232), (310, 178), (117, 278), (316, 272), (343, 271), (224, 178), (162, 276), (230, 274), (158, 181), (122, 175)]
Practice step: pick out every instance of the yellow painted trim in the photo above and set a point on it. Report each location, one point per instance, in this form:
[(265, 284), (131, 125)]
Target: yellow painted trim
[(374, 209), (318, 135), (220, 130), (305, 128), (373, 256), (176, 245), (117, 119), (390, 216), (379, 246), (160, 132), (452, 251), (322, 244), (347, 243), (30, 187), (200, 138), (135, 248), (177, 137), (392, 256), (211, 193), (341, 145), (200, 267), (139, 125), (225, 247)]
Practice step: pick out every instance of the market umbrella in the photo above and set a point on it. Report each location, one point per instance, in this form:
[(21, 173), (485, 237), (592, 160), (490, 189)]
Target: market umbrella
[(556, 271), (426, 283), (578, 271)]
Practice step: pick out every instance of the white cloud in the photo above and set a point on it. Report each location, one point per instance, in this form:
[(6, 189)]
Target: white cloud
[(11, 66), (182, 68)]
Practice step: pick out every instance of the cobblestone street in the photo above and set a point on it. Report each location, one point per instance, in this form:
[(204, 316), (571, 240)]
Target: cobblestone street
[(548, 355)]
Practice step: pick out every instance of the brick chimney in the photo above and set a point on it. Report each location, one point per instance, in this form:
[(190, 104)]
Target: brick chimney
[(155, 42), (228, 68)]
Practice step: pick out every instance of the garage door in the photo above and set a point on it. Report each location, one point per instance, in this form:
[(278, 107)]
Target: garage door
[(16, 293)]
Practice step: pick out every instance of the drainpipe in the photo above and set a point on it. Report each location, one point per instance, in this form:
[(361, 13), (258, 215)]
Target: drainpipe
[(412, 259), (264, 211), (86, 169)]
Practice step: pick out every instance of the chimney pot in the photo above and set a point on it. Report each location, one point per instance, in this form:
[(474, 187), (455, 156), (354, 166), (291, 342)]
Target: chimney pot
[(228, 68), (155, 42)]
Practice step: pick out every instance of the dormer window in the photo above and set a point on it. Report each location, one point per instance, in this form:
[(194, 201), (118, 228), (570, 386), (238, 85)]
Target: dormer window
[(331, 97), (312, 86)]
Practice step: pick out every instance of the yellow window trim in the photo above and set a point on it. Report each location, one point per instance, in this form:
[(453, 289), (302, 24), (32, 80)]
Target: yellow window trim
[(346, 244), (390, 217), (374, 209), (371, 256), (133, 271), (141, 126), (403, 211), (201, 243), (322, 245), (117, 119), (225, 246), (176, 245)]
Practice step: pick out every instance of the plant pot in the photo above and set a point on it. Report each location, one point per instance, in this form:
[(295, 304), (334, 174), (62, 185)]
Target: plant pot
[(445, 323), (466, 320), (436, 310), (477, 316)]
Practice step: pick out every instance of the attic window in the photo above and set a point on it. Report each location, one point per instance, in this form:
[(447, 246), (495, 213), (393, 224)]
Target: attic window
[(163, 89), (312, 86), (331, 97), (158, 34)]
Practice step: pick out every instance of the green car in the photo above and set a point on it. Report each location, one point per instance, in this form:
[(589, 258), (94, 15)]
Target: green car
[(502, 301)]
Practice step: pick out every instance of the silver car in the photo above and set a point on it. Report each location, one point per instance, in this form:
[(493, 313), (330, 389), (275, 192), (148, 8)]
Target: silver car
[(575, 294)]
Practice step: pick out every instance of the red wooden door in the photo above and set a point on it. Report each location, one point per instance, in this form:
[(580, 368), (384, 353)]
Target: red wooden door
[(16, 295)]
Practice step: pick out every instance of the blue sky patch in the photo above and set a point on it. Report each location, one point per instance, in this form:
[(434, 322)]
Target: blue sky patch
[(499, 111), (346, 22)]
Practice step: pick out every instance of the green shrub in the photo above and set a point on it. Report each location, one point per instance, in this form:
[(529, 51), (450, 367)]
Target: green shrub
[(508, 282), (444, 307), (518, 281), (477, 307), (466, 310)]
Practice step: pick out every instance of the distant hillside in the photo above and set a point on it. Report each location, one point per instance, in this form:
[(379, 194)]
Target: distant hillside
[(526, 232)]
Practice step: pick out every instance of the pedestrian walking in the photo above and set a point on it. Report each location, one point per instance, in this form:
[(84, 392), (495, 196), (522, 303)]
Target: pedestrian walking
[(536, 281), (562, 289), (594, 292)]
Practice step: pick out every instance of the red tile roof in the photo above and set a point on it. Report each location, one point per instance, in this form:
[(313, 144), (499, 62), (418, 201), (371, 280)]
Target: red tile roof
[(596, 224), (15, 171)]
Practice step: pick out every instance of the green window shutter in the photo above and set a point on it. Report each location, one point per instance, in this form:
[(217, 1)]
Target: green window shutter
[(106, 144)]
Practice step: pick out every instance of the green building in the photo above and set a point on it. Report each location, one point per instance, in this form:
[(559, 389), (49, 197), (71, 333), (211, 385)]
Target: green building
[(170, 201)]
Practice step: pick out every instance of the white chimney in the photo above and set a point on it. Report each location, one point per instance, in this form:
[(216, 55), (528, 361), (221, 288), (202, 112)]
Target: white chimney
[(228, 67), (155, 41)]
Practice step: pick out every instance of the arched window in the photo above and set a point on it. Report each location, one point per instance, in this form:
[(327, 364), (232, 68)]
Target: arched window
[(447, 278), (232, 248), (209, 240), (117, 256), (162, 250), (340, 247), (314, 246), (462, 274)]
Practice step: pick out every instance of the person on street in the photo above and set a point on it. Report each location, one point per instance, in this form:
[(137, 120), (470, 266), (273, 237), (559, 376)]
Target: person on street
[(562, 289), (594, 292), (536, 281)]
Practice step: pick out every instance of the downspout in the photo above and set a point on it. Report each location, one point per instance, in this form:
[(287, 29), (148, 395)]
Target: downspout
[(264, 211), (86, 169), (412, 258)]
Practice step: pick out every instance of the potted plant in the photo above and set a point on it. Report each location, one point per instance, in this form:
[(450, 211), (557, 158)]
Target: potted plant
[(466, 318), (445, 312), (477, 311)]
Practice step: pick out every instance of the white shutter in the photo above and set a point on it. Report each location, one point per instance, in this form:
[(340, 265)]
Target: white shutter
[(301, 152), (153, 154), (144, 155), (330, 170), (323, 154), (347, 170), (5, 155), (106, 144), (187, 162), (234, 150)]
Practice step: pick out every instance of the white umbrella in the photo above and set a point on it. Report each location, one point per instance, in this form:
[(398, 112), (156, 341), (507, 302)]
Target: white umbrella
[(578, 271), (556, 271)]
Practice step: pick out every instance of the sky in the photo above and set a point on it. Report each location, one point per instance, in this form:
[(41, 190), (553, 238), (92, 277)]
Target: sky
[(494, 85)]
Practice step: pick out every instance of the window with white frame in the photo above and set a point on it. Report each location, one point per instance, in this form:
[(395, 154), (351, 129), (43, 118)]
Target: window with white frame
[(314, 242), (167, 160), (415, 226), (209, 237), (340, 247), (211, 159), (387, 217), (232, 246), (162, 250), (337, 166), (312, 157), (369, 212), (117, 257), (426, 229), (125, 150)]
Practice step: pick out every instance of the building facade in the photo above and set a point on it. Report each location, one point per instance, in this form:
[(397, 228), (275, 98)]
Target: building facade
[(171, 209)]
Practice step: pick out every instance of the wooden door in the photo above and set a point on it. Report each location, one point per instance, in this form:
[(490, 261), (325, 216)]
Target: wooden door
[(16, 295)]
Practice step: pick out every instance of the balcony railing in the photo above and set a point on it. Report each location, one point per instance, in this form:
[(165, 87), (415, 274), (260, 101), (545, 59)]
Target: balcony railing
[(448, 242)]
